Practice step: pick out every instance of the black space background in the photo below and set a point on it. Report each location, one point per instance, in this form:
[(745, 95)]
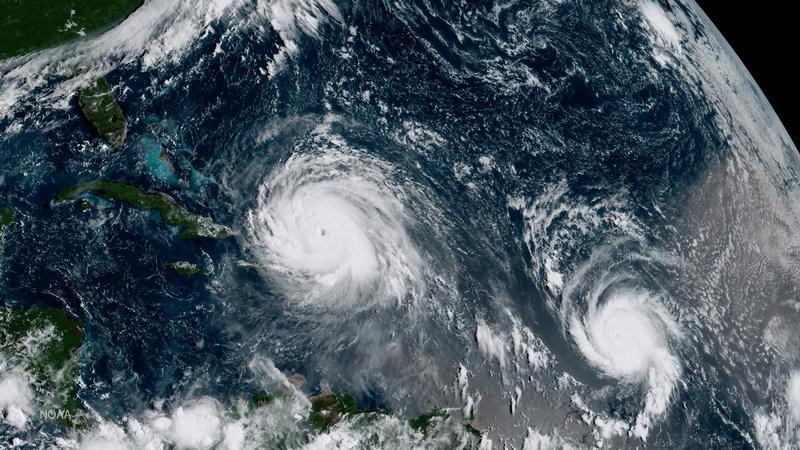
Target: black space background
[(765, 37)]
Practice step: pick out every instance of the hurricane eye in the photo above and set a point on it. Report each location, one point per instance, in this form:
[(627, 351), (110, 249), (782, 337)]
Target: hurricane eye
[(627, 335), (336, 237)]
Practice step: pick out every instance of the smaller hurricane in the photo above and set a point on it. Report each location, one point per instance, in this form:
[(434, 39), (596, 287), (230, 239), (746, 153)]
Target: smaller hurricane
[(331, 228), (628, 334)]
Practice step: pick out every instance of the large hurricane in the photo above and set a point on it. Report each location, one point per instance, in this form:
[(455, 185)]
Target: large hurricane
[(393, 224), (331, 227)]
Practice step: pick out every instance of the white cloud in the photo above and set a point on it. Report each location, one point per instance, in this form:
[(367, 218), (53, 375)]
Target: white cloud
[(492, 345), (657, 19), (197, 425), (16, 398), (106, 436), (793, 395)]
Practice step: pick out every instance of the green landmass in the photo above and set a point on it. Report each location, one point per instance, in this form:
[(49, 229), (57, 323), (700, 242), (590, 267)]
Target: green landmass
[(186, 268), (101, 109), (423, 423), (45, 343), (84, 205), (260, 399), (472, 430), (193, 225), (7, 216), (328, 409), (28, 25)]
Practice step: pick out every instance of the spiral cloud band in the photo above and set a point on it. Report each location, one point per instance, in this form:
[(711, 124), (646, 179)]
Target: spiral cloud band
[(626, 333), (331, 228)]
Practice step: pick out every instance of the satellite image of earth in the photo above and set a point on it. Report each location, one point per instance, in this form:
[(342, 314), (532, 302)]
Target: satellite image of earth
[(392, 224)]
